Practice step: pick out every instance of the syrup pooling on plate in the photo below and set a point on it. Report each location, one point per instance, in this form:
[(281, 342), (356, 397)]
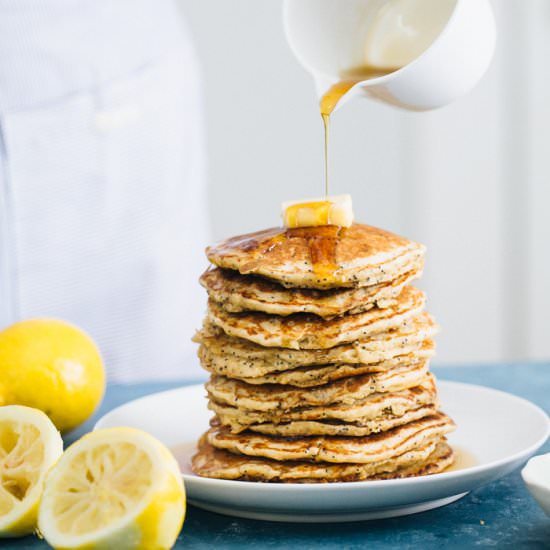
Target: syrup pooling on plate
[(463, 459), (182, 453), (334, 94)]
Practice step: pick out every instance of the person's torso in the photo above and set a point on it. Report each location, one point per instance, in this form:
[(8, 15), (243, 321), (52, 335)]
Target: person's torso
[(101, 176)]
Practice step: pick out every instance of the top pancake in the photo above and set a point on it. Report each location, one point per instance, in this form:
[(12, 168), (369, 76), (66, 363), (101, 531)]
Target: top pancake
[(319, 257)]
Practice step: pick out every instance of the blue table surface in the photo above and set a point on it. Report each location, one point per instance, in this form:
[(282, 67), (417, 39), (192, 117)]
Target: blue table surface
[(499, 515)]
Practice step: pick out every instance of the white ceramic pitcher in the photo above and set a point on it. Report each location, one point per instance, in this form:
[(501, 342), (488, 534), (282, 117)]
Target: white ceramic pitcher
[(443, 47)]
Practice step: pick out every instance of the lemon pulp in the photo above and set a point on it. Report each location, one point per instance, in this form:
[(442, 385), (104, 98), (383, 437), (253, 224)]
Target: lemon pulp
[(114, 488), (21, 456), (102, 485), (29, 445)]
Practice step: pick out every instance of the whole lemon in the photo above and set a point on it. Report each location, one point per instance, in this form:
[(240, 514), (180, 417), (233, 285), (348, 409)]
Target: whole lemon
[(53, 366)]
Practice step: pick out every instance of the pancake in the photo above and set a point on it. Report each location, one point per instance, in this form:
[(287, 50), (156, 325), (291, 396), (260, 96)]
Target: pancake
[(442, 458), (271, 397), (363, 450), (431, 458), (307, 377), (237, 358), (374, 406), (306, 331), (382, 423), (319, 350), (319, 257), (236, 293)]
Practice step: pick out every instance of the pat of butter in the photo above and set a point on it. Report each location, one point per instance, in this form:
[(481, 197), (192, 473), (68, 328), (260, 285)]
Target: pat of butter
[(335, 210)]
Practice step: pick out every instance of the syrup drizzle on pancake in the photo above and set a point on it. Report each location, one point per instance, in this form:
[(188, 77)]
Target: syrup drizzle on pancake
[(322, 243), (322, 246)]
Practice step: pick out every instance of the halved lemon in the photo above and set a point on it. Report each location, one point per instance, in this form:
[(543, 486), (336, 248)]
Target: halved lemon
[(114, 488), (29, 445)]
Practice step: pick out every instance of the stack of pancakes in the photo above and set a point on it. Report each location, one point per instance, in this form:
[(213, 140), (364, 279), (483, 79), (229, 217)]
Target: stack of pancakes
[(318, 350)]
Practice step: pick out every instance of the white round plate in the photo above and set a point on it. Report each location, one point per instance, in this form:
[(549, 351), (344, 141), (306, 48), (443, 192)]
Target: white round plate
[(496, 433)]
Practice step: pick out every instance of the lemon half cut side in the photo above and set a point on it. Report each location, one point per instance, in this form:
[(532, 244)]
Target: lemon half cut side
[(29, 445), (114, 488)]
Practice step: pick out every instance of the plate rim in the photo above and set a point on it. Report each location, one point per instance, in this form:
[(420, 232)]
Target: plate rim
[(357, 485)]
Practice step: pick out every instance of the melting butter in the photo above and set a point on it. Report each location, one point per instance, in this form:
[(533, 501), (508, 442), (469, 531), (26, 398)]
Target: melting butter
[(335, 210)]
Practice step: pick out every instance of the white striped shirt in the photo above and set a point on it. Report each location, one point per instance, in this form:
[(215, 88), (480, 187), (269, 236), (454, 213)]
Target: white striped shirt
[(102, 198)]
